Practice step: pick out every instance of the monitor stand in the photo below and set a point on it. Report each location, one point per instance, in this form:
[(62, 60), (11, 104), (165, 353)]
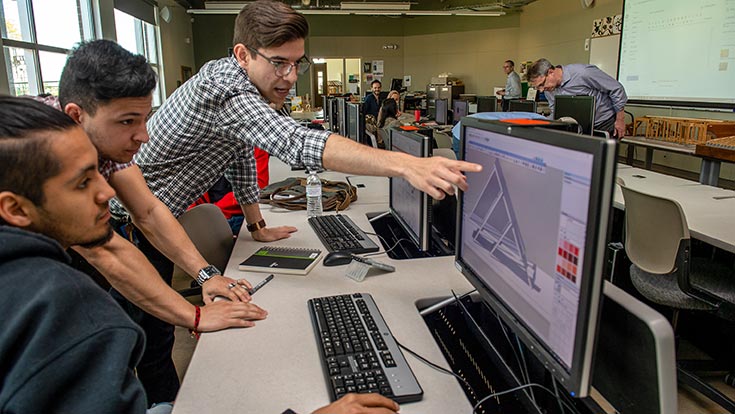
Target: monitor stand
[(389, 232)]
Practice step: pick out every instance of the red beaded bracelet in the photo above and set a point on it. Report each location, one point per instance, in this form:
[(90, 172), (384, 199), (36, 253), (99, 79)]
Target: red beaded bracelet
[(195, 332)]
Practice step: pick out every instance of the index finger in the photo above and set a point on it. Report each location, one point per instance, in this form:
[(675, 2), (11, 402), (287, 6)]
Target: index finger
[(466, 166)]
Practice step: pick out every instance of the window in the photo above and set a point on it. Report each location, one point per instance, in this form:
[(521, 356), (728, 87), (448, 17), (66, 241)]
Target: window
[(140, 37), (35, 46)]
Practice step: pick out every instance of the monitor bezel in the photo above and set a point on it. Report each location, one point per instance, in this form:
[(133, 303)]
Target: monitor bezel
[(578, 378), (514, 102), (422, 240), (466, 106), (488, 98), (445, 112), (575, 99), (359, 121)]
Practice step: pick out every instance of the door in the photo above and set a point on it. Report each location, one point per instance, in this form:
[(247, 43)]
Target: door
[(319, 83)]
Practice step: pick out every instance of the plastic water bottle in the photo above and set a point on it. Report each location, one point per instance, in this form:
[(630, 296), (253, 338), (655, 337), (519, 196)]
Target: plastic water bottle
[(313, 195)]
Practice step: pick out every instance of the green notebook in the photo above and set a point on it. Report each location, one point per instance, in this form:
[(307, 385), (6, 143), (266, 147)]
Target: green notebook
[(278, 259)]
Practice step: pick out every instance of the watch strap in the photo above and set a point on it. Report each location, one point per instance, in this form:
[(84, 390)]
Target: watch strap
[(256, 226), (207, 273)]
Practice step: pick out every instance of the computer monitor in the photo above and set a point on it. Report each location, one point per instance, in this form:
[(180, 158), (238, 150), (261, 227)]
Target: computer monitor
[(635, 351), (581, 108), (341, 116), (355, 122), (396, 84), (441, 107), (521, 105), (460, 109), (409, 206), (531, 237), (487, 104)]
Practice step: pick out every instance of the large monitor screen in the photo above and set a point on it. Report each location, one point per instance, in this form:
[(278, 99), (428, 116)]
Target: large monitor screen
[(408, 205), (531, 237), (581, 108), (441, 111), (460, 110), (678, 51)]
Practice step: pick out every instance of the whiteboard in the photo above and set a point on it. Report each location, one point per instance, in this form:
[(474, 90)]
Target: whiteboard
[(604, 53)]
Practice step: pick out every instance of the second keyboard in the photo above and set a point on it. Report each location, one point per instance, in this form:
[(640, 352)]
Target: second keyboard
[(339, 233)]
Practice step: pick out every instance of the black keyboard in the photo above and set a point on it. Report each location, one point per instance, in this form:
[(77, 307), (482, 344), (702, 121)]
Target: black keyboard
[(339, 233), (358, 352)]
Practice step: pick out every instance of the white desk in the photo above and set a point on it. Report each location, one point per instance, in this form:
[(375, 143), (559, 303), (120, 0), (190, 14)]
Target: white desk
[(710, 220), (276, 364)]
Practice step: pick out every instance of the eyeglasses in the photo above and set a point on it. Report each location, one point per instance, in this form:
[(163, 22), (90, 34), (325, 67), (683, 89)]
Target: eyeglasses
[(284, 68), (540, 86)]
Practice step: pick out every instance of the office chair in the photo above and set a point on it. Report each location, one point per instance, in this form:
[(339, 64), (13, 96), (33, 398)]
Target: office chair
[(371, 139), (208, 229), (657, 243), (442, 140), (444, 152)]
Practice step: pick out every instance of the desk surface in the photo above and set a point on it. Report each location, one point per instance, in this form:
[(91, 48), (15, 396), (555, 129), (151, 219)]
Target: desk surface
[(659, 144), (276, 364), (710, 220)]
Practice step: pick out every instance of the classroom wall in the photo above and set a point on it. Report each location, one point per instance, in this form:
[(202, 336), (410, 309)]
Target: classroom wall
[(176, 44), (472, 49), (475, 57)]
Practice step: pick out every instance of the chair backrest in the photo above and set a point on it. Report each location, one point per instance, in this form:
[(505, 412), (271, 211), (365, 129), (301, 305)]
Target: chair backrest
[(444, 152), (442, 140), (372, 139), (654, 229), (208, 229)]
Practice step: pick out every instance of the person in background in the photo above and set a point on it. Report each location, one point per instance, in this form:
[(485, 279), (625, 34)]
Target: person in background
[(512, 88), (388, 112), (583, 79), (371, 105)]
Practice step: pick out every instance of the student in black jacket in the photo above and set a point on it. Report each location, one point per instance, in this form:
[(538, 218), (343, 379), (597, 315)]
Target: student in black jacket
[(65, 345)]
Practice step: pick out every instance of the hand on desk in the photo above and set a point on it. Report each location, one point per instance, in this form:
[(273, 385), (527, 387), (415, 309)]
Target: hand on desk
[(226, 314), (220, 286), (437, 176), (268, 234), (360, 404)]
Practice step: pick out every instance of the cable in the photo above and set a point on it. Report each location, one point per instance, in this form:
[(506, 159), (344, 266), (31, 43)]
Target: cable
[(389, 250), (520, 387), (433, 365)]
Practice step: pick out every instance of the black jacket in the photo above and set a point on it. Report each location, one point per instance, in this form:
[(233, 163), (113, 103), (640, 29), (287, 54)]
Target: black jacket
[(65, 345)]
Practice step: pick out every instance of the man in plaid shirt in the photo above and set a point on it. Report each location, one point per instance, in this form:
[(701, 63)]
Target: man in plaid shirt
[(209, 125)]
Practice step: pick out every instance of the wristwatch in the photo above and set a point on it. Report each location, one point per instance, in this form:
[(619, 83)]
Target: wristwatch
[(207, 273), (256, 226)]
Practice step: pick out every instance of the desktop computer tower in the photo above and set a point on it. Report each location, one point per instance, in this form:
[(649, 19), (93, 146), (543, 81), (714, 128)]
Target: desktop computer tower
[(448, 92)]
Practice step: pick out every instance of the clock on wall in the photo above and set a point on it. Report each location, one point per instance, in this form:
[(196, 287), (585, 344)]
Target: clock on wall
[(587, 3)]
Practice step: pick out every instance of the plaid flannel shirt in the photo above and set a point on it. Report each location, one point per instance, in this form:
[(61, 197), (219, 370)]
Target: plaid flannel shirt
[(208, 128)]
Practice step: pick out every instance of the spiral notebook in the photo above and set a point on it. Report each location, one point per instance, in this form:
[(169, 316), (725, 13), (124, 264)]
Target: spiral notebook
[(280, 259)]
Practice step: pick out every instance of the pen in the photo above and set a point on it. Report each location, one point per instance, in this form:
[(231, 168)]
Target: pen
[(260, 285)]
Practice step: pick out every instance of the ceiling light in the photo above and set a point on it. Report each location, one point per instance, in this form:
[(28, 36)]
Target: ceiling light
[(389, 5)]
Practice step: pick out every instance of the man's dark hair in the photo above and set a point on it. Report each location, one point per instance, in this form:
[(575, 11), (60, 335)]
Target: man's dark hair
[(511, 63), (26, 160), (100, 71), (268, 23), (376, 81)]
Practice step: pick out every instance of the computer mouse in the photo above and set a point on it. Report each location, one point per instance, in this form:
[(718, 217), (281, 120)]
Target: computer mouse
[(337, 258)]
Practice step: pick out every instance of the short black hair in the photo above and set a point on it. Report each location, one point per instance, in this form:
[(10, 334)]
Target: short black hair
[(99, 71), (376, 81), (511, 63), (26, 160)]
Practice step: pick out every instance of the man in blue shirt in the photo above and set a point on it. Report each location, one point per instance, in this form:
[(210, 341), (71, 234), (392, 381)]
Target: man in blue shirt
[(581, 79), (512, 84)]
